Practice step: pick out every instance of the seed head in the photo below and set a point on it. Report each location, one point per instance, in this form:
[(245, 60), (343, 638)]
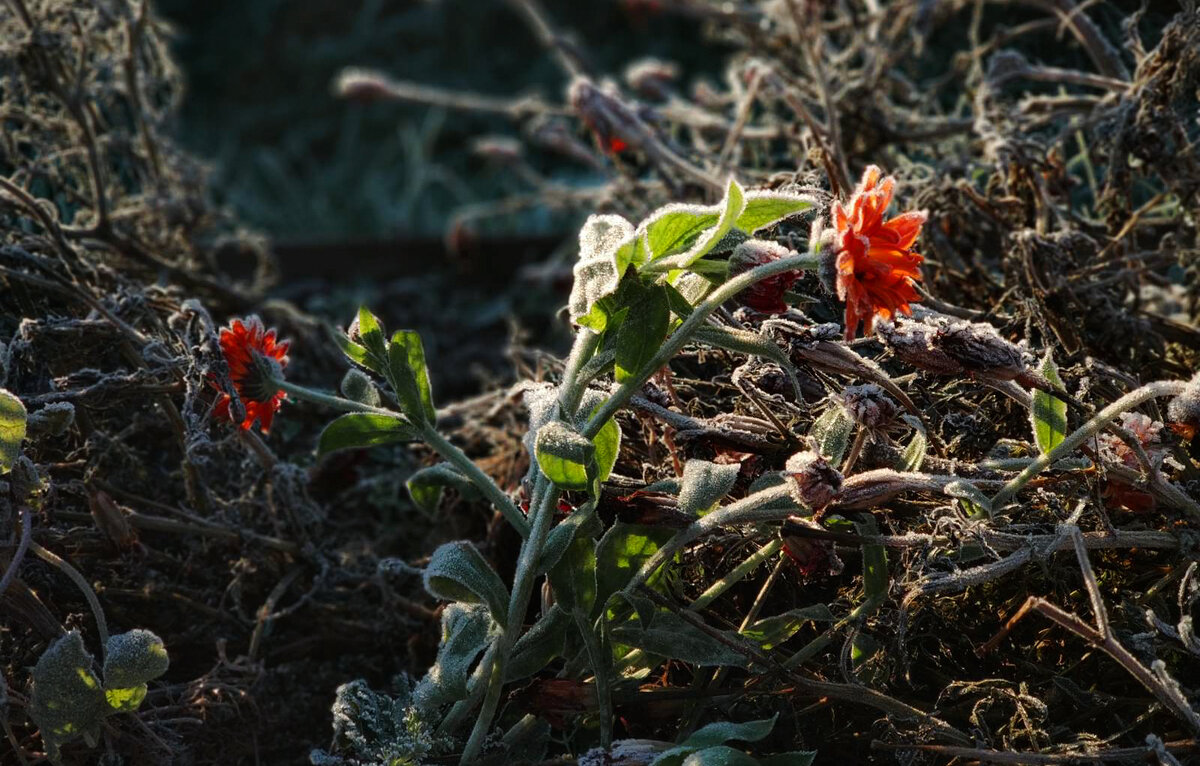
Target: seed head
[(814, 482)]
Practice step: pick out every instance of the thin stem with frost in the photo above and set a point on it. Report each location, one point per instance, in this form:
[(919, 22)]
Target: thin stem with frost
[(1087, 431)]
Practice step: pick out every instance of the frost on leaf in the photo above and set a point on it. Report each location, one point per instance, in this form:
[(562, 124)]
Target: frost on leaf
[(134, 658), (68, 701), (374, 729), (606, 244)]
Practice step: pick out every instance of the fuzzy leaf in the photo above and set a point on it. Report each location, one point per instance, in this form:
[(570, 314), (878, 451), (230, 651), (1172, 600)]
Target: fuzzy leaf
[(719, 755), (608, 445), (563, 535), (914, 453), (134, 658), (832, 433), (669, 635), (977, 503), (1049, 412), (642, 332), (464, 636), (459, 572), (425, 486), (793, 758), (574, 576), (727, 214), (365, 429), (126, 700), (539, 645), (374, 344), (621, 552), (715, 735), (606, 248), (766, 208), (564, 455), (13, 420), (410, 376), (875, 567), (672, 228), (770, 632), (704, 484), (68, 701)]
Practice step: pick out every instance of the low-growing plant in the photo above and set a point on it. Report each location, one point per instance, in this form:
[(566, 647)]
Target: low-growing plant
[(641, 294)]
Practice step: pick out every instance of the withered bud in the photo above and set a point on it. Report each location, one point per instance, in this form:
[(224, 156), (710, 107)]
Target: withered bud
[(652, 78), (766, 295), (362, 85), (814, 482), (869, 406), (824, 240), (812, 555), (500, 149), (948, 346), (1183, 413), (616, 125)]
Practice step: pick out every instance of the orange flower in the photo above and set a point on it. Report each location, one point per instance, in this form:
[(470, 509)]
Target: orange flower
[(251, 352), (876, 267)]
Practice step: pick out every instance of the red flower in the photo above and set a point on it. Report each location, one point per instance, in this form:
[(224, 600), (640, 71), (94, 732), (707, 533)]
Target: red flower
[(251, 351), (876, 265), (766, 295), (1149, 435)]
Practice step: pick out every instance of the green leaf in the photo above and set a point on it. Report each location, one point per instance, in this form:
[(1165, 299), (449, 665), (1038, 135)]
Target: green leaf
[(673, 228), (974, 500), (465, 633), (425, 486), (365, 429), (374, 344), (126, 700), (606, 248), (620, 554), (68, 700), (669, 635), (13, 420), (832, 432), (608, 445), (573, 578), (1049, 412), (564, 454), (643, 331), (459, 572), (134, 658), (766, 208), (715, 735), (914, 453), (410, 376), (539, 645), (875, 567), (563, 535), (770, 632), (728, 211), (704, 484), (720, 755)]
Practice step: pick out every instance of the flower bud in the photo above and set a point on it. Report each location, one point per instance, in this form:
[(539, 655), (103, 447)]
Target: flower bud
[(651, 78), (868, 406), (1183, 413), (766, 295), (811, 554), (356, 386), (814, 482)]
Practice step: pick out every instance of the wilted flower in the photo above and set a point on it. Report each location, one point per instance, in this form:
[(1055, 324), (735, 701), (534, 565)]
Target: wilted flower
[(868, 406), (1183, 413), (255, 361), (811, 555), (876, 267), (814, 482), (1149, 435), (766, 295), (948, 346)]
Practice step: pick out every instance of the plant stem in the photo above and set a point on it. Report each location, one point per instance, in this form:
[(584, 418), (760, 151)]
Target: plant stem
[(542, 516), (600, 654), (466, 465), (744, 511), (439, 443), (683, 334), (1087, 431), (88, 592)]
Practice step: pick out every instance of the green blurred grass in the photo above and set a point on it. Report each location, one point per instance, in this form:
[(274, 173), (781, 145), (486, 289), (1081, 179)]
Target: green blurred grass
[(297, 163)]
